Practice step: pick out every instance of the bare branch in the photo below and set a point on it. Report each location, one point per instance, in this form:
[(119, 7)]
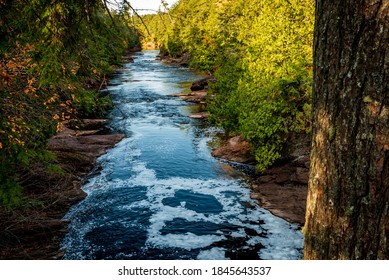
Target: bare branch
[(110, 15), (136, 13), (165, 6)]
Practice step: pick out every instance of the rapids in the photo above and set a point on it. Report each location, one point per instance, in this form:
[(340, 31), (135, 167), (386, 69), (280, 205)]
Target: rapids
[(159, 194)]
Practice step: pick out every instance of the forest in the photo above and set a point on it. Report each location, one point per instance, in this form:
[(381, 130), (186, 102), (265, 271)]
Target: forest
[(281, 70), (53, 58)]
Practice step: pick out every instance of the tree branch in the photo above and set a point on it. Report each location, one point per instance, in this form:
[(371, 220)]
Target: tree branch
[(110, 15), (135, 12)]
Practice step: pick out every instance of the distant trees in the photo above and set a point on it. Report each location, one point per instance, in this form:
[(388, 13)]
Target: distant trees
[(261, 54), (50, 53), (348, 201)]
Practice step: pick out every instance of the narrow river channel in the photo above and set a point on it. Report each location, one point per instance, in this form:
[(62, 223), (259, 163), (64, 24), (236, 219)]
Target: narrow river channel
[(159, 194)]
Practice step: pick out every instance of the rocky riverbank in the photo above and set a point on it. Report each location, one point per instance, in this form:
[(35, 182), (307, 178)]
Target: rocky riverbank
[(282, 188), (36, 232)]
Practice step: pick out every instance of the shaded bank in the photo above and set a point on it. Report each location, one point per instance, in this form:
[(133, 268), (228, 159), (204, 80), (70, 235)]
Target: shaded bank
[(36, 233)]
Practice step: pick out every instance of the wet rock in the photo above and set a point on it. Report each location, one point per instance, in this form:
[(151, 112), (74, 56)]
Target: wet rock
[(87, 132), (198, 97), (180, 61), (86, 145), (195, 96), (86, 142), (128, 59), (77, 150), (282, 188)]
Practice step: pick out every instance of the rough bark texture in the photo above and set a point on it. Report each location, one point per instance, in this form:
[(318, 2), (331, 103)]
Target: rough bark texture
[(348, 198)]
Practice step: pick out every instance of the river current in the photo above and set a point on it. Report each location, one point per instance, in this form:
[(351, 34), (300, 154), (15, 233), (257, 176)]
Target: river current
[(159, 194)]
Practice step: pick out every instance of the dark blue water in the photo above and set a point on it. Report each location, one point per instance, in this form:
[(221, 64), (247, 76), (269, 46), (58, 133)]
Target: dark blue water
[(159, 194)]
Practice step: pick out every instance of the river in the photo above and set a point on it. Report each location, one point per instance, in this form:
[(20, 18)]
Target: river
[(159, 194)]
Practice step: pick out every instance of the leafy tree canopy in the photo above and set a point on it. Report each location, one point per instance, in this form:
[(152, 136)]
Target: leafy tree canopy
[(50, 52), (260, 52)]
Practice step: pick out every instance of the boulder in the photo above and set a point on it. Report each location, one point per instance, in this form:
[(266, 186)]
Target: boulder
[(236, 149), (83, 142), (285, 201)]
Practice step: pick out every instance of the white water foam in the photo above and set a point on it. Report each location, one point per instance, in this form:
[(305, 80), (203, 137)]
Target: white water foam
[(187, 241), (162, 197), (212, 254), (280, 238), (280, 242)]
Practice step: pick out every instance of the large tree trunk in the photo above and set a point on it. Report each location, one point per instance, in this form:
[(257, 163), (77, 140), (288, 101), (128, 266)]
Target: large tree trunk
[(348, 199)]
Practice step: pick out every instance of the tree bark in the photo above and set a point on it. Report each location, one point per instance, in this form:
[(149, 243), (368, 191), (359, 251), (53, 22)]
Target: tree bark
[(348, 198)]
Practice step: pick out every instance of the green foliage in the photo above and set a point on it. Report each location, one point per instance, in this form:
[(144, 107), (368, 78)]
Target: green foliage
[(10, 190), (225, 104), (260, 52), (89, 104), (49, 52)]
